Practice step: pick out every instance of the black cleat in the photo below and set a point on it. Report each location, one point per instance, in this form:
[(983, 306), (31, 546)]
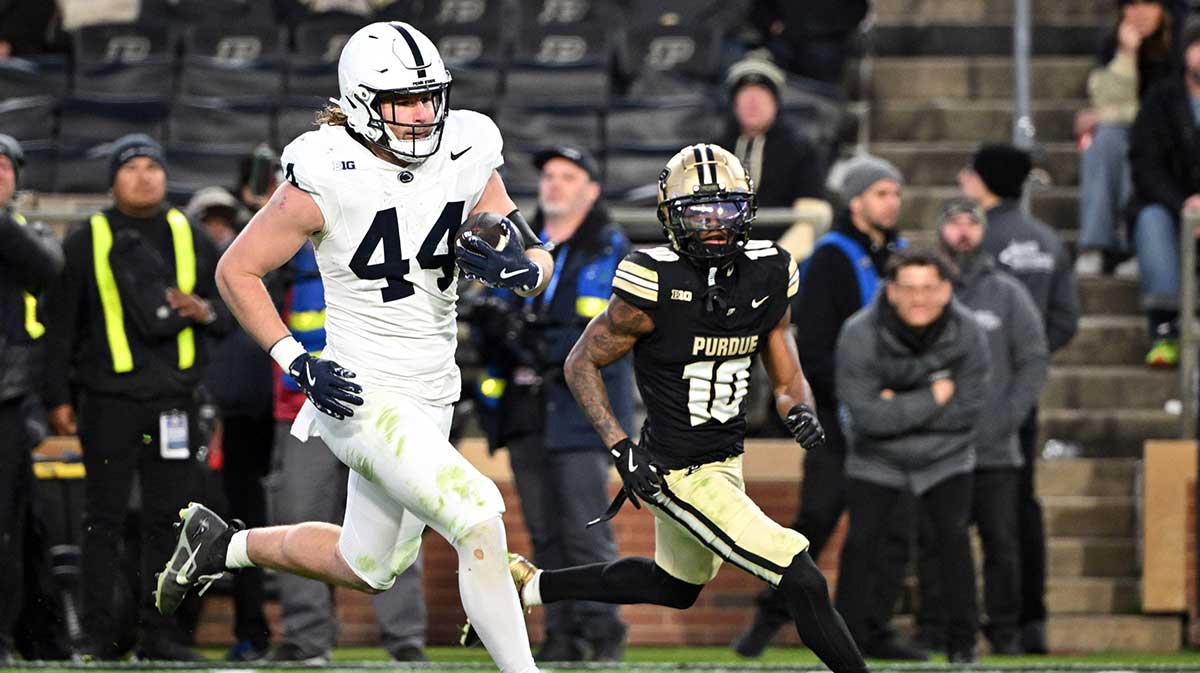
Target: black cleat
[(199, 557)]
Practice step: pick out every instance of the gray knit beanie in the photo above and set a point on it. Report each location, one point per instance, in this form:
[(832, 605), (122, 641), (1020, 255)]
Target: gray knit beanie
[(859, 173)]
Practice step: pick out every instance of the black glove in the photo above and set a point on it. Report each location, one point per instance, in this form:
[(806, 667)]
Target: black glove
[(641, 477), (508, 268), (325, 384), (802, 422)]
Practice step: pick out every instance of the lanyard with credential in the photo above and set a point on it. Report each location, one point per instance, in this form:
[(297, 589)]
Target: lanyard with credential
[(548, 294)]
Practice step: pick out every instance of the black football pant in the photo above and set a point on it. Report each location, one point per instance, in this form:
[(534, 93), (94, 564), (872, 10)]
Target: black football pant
[(16, 491), (1032, 528), (871, 511), (120, 438), (560, 492), (246, 442), (994, 510), (640, 580), (822, 501)]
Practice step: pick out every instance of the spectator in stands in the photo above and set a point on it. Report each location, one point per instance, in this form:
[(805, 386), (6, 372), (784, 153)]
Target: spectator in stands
[(259, 175), (1135, 56), (308, 483), (810, 38), (125, 328), (560, 465), (784, 164), (840, 278), (29, 259), (1004, 310), (1166, 179), (239, 378), (1030, 250), (912, 374), (28, 28)]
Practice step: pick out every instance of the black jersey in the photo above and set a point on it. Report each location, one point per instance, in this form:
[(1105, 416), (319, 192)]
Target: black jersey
[(693, 369)]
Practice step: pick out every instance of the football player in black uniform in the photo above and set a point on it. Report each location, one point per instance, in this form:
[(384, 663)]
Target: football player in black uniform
[(694, 313)]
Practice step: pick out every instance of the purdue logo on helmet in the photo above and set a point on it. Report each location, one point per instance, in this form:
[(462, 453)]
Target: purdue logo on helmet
[(706, 202), (393, 59)]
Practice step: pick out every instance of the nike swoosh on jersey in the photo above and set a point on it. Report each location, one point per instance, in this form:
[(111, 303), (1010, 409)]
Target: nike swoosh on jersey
[(755, 303), (506, 274), (454, 156)]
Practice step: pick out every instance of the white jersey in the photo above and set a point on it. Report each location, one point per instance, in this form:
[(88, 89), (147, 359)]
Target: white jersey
[(385, 251)]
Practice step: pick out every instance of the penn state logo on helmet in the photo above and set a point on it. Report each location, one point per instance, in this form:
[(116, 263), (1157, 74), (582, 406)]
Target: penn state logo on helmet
[(706, 202), (392, 60)]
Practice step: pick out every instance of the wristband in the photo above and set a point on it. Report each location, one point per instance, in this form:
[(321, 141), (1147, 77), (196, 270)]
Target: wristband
[(285, 351)]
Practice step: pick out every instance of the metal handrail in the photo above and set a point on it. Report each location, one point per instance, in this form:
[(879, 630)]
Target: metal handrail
[(1190, 223)]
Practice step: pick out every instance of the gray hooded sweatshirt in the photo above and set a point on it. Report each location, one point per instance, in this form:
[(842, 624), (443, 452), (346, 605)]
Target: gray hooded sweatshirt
[(1020, 359), (909, 441)]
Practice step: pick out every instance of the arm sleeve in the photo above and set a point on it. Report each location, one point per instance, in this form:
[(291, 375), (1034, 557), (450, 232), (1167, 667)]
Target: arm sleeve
[(828, 297), (961, 413), (1150, 152), (858, 387), (636, 281), (30, 256), (1062, 309), (1030, 356), (62, 305), (1113, 89)]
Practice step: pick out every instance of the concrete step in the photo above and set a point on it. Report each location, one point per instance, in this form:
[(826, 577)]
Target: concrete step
[(890, 12), (1089, 516), (1115, 387), (1107, 340), (1092, 557), (1113, 633), (1111, 296), (950, 119), (1089, 595), (959, 38), (1108, 433), (1053, 78), (1093, 477), (939, 163), (1056, 206)]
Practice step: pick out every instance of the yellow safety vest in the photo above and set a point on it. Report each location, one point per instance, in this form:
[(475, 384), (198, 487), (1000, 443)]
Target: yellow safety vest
[(110, 298), (32, 326)]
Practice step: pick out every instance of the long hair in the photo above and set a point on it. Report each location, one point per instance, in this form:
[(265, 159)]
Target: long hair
[(332, 115)]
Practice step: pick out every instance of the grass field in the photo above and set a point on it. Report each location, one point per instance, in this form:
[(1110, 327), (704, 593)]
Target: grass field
[(660, 659)]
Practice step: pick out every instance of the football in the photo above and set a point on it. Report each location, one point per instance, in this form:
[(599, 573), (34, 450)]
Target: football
[(486, 226)]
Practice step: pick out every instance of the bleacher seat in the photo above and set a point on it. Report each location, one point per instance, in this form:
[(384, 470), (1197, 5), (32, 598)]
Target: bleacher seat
[(538, 128), (408, 11), (81, 167), (560, 13), (688, 51), (42, 75), (633, 176), (674, 13), (229, 13), (233, 62), (474, 54), (193, 167), (312, 67), (101, 119), (560, 65), (40, 160), (663, 128), (219, 121), (443, 13), (129, 60), (519, 174), (30, 118), (294, 117)]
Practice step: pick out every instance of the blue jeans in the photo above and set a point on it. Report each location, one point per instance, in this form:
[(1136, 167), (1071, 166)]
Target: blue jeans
[(1104, 187), (1157, 238)]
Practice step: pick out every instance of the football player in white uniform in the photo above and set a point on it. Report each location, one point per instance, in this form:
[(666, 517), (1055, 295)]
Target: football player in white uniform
[(380, 188)]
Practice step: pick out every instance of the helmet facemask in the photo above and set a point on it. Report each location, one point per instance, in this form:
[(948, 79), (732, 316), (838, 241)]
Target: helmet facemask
[(708, 227), (416, 142)]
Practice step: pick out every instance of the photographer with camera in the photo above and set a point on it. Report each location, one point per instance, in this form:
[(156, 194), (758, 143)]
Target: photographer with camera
[(561, 467)]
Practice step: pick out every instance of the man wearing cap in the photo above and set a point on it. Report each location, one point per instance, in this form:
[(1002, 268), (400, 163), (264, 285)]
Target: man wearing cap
[(1030, 250), (29, 259), (840, 277), (124, 340), (1166, 182), (1019, 357), (560, 465), (784, 164)]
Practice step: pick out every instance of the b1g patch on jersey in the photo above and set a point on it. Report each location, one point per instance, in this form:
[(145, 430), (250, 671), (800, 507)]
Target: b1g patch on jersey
[(343, 165), (681, 295)]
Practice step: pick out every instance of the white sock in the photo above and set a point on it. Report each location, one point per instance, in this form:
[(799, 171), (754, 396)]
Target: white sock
[(237, 556), (490, 599), (531, 595)]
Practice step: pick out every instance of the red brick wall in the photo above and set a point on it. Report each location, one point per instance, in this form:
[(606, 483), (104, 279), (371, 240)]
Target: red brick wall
[(724, 608)]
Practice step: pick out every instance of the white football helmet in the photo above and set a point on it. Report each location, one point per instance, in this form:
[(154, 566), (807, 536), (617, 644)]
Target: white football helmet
[(391, 58)]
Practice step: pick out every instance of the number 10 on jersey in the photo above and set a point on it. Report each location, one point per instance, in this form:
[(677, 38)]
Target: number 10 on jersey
[(715, 392)]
